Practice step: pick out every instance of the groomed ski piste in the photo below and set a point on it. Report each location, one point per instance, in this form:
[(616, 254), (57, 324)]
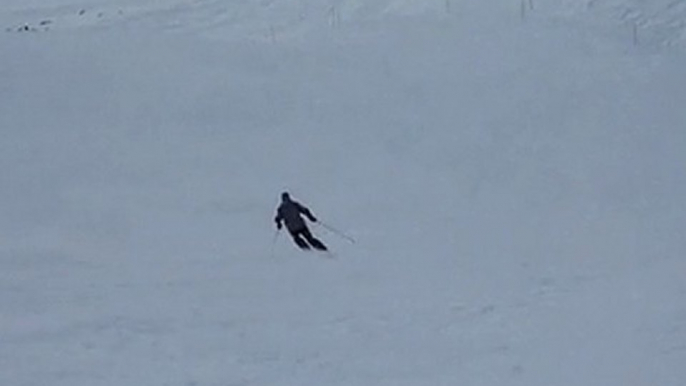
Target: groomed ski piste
[(513, 175)]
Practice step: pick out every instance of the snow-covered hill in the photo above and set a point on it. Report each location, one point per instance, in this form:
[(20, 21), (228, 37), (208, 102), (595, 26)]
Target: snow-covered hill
[(652, 23), (515, 186)]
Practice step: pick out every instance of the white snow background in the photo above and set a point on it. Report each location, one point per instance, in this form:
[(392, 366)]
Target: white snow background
[(514, 175)]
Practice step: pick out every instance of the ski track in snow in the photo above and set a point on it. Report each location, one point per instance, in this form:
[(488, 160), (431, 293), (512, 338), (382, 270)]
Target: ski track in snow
[(517, 202)]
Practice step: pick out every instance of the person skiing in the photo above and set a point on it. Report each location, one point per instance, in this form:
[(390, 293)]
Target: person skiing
[(289, 212)]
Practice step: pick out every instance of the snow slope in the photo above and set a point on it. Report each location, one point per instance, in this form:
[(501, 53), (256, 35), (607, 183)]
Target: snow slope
[(515, 189), (654, 22)]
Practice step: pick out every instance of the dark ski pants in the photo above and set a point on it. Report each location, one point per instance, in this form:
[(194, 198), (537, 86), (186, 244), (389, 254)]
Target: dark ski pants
[(303, 238)]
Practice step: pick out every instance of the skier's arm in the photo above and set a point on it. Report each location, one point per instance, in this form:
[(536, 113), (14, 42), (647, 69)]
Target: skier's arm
[(306, 212), (278, 220)]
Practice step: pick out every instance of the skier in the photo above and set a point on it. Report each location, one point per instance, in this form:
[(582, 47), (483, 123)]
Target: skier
[(289, 212)]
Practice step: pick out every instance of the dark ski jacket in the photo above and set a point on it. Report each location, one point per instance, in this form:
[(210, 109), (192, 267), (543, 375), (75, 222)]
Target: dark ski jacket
[(289, 212)]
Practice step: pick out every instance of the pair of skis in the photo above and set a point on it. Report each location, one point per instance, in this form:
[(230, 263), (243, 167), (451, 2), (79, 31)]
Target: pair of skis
[(329, 228)]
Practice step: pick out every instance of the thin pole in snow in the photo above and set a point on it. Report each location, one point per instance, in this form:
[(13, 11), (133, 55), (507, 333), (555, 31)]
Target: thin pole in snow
[(336, 232), (276, 236)]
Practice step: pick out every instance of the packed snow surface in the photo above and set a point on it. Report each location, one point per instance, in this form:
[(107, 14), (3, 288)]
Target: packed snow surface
[(513, 175)]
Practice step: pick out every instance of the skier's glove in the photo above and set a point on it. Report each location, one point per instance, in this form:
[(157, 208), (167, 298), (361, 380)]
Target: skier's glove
[(279, 225)]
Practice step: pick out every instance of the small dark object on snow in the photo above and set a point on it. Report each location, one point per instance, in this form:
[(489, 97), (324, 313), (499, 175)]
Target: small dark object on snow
[(289, 212)]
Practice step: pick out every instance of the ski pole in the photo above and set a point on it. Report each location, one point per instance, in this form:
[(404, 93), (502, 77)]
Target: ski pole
[(336, 232), (276, 236)]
